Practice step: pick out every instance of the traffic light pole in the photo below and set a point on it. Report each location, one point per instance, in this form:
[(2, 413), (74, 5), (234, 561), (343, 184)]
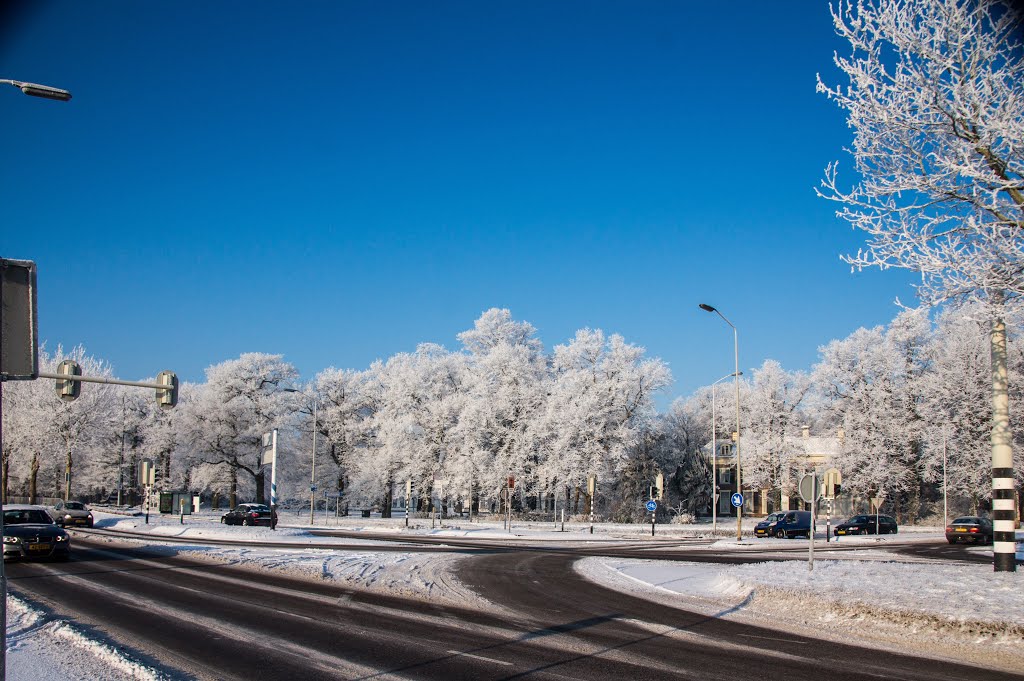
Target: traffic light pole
[(103, 379)]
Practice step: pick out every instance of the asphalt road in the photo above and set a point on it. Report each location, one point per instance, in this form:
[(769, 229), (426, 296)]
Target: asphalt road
[(202, 621)]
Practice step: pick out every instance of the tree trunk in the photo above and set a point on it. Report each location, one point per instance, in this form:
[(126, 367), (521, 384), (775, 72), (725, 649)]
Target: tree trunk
[(233, 494), (6, 474), (33, 478), (67, 474)]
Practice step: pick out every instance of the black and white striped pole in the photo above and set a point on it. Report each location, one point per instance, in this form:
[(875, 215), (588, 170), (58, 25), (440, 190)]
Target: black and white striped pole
[(1004, 516)]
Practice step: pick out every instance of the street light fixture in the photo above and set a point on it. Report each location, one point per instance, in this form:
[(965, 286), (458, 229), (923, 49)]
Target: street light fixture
[(739, 476), (714, 456), (36, 90)]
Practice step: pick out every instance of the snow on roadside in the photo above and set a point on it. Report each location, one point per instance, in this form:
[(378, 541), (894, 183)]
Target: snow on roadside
[(41, 648), (962, 611)]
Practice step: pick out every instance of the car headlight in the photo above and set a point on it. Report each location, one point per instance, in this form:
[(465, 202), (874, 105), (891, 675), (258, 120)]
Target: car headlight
[(61, 537), (12, 540), (67, 516)]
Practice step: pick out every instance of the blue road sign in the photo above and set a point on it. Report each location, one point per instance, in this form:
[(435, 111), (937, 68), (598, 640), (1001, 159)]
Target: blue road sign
[(737, 499), (652, 505)]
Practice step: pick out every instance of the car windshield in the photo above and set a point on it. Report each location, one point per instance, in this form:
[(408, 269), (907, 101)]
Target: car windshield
[(858, 519), (74, 506), (22, 517)]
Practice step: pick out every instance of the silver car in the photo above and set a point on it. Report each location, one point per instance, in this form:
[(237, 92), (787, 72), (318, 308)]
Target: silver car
[(72, 514)]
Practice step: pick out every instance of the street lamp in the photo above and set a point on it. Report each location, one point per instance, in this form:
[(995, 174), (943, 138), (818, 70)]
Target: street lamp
[(739, 477), (714, 455), (36, 90)]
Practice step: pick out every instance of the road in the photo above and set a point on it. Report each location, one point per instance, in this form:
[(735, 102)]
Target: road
[(196, 620)]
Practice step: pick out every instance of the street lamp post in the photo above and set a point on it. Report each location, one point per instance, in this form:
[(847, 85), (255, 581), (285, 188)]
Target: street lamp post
[(739, 469), (46, 92), (312, 472), (714, 456)]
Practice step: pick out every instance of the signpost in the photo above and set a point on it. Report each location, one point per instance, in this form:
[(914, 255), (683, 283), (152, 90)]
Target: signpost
[(147, 478), (270, 457), (831, 482), (652, 506), (810, 491)]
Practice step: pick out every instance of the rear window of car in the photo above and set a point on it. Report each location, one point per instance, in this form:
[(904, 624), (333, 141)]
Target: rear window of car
[(965, 521)]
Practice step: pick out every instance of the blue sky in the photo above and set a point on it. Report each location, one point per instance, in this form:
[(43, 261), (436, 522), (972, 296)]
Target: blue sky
[(340, 181)]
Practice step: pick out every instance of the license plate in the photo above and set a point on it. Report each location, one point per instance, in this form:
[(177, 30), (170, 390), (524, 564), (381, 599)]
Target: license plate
[(961, 529), (38, 547)]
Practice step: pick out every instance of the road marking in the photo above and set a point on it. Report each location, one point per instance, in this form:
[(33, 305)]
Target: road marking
[(479, 657)]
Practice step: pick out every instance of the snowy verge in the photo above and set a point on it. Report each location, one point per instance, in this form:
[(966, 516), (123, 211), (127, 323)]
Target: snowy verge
[(962, 613), (42, 648)]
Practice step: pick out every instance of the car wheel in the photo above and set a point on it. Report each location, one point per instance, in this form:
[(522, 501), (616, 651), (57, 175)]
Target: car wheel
[(952, 541), (780, 534), (246, 522)]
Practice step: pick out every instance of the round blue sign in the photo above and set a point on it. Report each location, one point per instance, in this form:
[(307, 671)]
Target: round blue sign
[(737, 499), (652, 505)]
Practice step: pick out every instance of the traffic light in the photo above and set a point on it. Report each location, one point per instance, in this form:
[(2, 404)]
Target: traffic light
[(68, 390), (654, 492), (167, 397)]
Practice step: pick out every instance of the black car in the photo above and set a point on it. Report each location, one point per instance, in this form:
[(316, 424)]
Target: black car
[(969, 528), (868, 524), (250, 514), (29, 532)]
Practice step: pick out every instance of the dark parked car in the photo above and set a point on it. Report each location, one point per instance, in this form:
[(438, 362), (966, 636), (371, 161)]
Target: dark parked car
[(868, 524), (969, 528), (29, 532), (791, 524), (249, 514), (72, 513), (765, 527)]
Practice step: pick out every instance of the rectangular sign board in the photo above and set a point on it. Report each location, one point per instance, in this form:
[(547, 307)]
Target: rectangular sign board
[(19, 324)]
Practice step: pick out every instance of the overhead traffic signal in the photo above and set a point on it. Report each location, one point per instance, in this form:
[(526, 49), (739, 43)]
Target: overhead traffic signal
[(167, 397), (68, 389)]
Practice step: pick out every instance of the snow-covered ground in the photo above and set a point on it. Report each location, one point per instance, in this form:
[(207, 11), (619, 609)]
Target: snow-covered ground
[(962, 610)]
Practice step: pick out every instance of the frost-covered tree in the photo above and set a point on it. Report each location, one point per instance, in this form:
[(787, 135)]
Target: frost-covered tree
[(871, 384), (772, 407), (73, 428), (241, 400), (415, 421), (504, 392), (935, 98), (599, 410), (348, 401), (955, 403)]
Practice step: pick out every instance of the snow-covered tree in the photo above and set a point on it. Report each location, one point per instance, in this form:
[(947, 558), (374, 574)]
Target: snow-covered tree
[(935, 97), (599, 410), (241, 400), (871, 383), (772, 405), (73, 427), (504, 392)]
